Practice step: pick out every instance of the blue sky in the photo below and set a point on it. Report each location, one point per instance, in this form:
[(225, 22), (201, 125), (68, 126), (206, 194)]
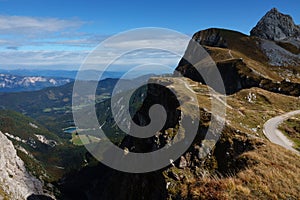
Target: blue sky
[(59, 34)]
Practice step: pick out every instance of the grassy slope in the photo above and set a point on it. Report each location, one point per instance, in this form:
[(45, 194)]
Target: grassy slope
[(51, 107), (264, 171), (270, 172), (248, 48), (254, 168), (250, 115), (19, 125), (269, 175)]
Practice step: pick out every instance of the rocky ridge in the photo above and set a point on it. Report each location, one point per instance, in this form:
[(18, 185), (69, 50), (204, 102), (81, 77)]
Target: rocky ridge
[(268, 59), (15, 180)]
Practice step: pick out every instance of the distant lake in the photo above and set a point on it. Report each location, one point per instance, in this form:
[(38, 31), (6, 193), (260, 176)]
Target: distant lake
[(69, 130)]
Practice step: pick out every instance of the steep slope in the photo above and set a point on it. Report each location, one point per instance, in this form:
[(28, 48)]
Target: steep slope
[(14, 178), (243, 164), (46, 155), (241, 150), (276, 26)]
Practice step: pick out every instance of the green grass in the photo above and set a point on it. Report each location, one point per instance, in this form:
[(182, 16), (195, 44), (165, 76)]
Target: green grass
[(19, 125), (80, 140), (46, 158)]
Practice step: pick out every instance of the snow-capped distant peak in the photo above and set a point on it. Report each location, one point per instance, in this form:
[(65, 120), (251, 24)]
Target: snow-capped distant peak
[(13, 83)]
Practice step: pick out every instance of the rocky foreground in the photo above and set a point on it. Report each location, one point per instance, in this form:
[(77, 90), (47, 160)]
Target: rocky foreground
[(15, 180)]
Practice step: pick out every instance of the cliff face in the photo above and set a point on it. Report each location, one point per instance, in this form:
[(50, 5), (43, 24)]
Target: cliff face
[(238, 75), (280, 38), (15, 181), (211, 37), (276, 26)]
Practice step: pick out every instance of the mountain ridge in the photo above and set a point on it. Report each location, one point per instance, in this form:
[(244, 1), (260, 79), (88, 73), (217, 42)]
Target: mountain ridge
[(15, 83)]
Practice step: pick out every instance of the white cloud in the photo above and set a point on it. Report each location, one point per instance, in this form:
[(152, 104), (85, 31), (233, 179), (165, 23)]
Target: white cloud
[(20, 25), (41, 59), (74, 59), (30, 42), (23, 32)]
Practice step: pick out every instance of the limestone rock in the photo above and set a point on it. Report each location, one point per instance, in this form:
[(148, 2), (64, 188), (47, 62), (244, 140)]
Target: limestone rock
[(210, 37), (15, 181), (276, 26), (183, 162)]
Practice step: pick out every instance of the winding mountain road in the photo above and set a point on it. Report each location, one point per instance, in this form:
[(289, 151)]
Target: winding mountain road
[(276, 136)]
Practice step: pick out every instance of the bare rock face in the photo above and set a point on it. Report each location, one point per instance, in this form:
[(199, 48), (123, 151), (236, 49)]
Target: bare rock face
[(276, 26), (210, 37), (280, 38), (15, 181)]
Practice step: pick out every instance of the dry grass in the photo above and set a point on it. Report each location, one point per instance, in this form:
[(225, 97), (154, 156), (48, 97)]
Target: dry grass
[(250, 116), (270, 172), (3, 195), (260, 68), (289, 47), (274, 174), (248, 48)]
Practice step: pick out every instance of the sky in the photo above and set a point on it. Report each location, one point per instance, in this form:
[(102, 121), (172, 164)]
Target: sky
[(59, 34)]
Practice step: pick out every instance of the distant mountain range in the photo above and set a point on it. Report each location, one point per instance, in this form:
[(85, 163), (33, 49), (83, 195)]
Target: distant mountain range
[(16, 83), (32, 80), (71, 74)]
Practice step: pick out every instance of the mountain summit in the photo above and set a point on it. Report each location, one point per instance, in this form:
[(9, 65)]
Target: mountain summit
[(276, 26)]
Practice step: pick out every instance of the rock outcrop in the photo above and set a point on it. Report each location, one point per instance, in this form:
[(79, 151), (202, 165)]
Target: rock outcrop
[(211, 37), (276, 26), (280, 38), (15, 181)]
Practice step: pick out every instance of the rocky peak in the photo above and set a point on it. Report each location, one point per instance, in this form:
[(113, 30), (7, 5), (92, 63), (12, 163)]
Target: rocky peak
[(276, 26)]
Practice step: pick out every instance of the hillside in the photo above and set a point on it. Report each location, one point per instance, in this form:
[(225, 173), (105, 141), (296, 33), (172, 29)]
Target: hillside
[(244, 58), (241, 150), (235, 162), (51, 106), (46, 155), (15, 179)]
